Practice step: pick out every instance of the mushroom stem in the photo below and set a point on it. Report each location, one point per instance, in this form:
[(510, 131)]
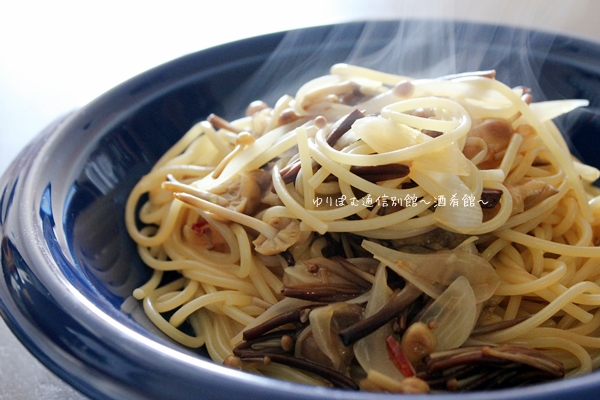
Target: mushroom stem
[(221, 123), (221, 166), (243, 140), (242, 219), (173, 185)]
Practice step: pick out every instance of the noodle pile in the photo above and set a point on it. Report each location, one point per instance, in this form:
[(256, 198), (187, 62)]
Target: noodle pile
[(378, 232)]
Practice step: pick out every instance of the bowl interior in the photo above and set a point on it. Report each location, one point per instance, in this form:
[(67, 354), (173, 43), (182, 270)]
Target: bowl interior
[(166, 102), (109, 144)]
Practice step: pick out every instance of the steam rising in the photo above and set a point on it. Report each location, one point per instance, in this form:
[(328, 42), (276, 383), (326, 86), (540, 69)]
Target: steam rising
[(422, 49)]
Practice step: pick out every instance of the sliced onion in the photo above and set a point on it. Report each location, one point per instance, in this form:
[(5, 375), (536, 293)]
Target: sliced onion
[(587, 172), (547, 110), (448, 159), (463, 216), (310, 87), (383, 135), (299, 274), (320, 322), (325, 323), (433, 273), (281, 139), (371, 351), (452, 315)]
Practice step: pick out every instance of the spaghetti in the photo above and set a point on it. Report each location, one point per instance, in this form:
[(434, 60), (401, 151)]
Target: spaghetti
[(378, 232)]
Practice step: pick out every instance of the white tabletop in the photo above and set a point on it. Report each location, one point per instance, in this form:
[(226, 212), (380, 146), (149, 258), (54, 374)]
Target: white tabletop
[(56, 56)]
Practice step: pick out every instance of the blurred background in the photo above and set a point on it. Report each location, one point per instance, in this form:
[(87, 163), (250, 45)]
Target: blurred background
[(57, 56)]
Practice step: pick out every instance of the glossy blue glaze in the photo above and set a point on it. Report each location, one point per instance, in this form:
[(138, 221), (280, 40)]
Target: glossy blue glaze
[(68, 263)]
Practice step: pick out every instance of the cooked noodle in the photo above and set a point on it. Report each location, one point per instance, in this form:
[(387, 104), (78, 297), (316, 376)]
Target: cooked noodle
[(288, 209)]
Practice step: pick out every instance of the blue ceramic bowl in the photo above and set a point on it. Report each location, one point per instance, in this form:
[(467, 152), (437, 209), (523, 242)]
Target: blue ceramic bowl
[(68, 263)]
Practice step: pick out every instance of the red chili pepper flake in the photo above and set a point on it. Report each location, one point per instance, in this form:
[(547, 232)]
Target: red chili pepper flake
[(397, 357), (199, 226)]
